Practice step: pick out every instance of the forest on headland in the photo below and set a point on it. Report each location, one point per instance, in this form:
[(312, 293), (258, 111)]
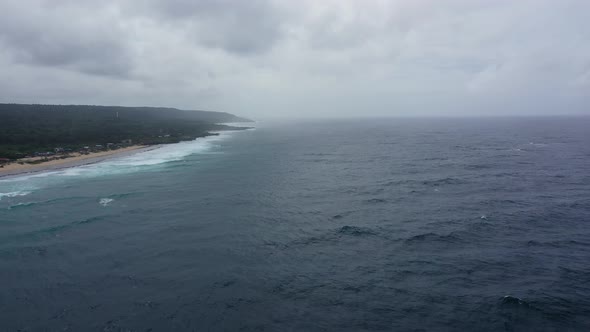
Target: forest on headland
[(27, 130)]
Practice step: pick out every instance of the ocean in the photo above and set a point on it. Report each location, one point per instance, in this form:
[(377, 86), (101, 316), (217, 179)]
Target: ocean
[(332, 225)]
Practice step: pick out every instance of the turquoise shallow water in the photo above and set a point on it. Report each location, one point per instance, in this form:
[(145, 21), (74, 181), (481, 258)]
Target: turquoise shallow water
[(402, 224)]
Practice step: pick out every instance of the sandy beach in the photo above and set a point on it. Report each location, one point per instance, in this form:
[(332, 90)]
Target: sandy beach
[(75, 159)]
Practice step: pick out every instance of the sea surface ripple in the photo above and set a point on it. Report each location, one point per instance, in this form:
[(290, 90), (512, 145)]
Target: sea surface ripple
[(348, 225)]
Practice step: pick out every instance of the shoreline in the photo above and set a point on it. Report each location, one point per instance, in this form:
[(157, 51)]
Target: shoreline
[(15, 169)]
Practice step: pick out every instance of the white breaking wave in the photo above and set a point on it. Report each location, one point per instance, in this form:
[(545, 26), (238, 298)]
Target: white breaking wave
[(105, 201), (27, 183), (14, 194)]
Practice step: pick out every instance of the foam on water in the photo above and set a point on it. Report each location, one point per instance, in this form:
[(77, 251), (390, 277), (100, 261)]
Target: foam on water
[(14, 194), (105, 201)]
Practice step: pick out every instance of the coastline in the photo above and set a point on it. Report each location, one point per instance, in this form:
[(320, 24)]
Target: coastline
[(15, 169)]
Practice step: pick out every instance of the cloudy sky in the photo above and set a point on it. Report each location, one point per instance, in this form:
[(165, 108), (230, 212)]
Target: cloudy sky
[(301, 57)]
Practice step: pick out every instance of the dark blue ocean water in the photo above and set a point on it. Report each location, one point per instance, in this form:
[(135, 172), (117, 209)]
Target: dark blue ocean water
[(357, 225)]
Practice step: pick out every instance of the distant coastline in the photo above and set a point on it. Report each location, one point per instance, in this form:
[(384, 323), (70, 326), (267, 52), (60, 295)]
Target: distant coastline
[(37, 136), (19, 167)]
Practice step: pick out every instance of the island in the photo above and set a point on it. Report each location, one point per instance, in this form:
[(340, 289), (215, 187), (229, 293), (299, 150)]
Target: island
[(35, 135)]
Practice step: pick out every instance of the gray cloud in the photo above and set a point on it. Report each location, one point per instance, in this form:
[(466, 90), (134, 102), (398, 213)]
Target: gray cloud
[(58, 37), (241, 27), (303, 58)]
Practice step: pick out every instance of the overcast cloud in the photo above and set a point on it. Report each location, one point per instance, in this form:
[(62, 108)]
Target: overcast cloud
[(301, 58)]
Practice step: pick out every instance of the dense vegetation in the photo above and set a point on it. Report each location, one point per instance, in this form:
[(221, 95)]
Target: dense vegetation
[(26, 129)]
